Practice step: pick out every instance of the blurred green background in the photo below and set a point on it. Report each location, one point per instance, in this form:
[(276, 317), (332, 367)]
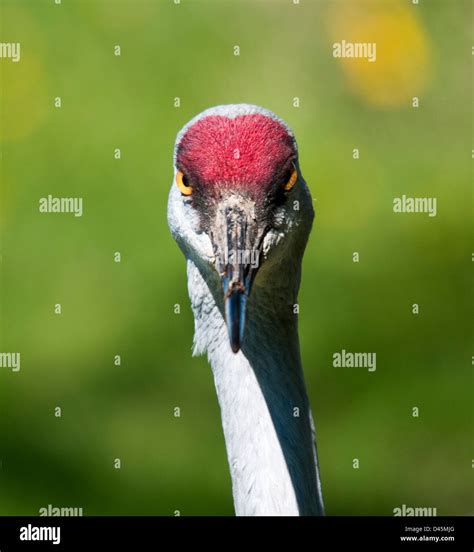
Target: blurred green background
[(186, 50)]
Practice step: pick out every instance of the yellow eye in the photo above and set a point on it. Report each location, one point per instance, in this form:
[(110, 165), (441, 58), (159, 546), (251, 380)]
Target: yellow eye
[(183, 184), (292, 179)]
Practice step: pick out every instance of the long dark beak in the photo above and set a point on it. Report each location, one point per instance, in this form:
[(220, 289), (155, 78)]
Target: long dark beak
[(235, 300), (239, 259)]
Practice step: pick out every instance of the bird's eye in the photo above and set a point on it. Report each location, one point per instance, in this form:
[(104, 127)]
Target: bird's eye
[(182, 182), (290, 178)]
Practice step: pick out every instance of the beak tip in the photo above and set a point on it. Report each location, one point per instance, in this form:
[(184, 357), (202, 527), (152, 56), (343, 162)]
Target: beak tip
[(235, 347)]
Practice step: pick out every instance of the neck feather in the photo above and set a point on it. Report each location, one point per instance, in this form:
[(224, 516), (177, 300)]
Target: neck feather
[(265, 410)]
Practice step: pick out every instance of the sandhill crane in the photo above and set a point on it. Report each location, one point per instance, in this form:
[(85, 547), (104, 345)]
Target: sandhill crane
[(241, 212)]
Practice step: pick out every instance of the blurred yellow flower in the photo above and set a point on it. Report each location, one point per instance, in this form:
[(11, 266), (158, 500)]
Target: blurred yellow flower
[(401, 69)]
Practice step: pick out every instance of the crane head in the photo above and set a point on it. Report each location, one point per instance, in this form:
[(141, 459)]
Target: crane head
[(238, 202)]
